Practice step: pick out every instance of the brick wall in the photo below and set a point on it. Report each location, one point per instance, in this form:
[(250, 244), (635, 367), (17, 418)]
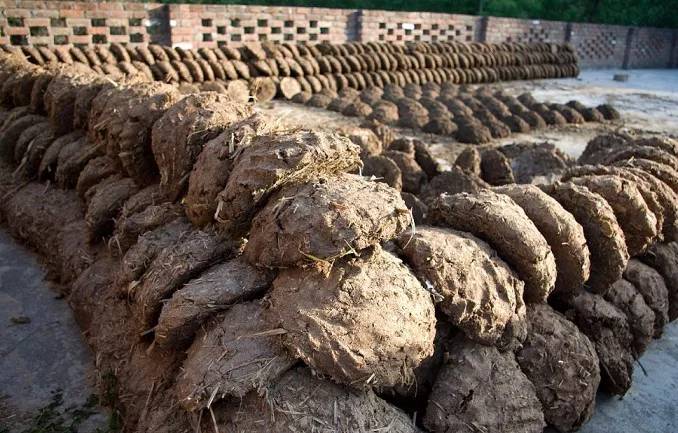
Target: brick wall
[(650, 47), (418, 26), (599, 46), (53, 22), (212, 25), (79, 23), (513, 30)]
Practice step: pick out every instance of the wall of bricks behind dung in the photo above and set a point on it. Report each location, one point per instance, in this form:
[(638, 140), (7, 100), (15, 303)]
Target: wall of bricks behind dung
[(53, 22)]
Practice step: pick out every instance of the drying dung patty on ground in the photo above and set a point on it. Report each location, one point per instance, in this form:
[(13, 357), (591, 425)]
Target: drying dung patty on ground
[(562, 364), (499, 221), (234, 355), (214, 290), (368, 323), (325, 219), (274, 160), (287, 407), (608, 329), (635, 218), (562, 232), (641, 318), (479, 292), (481, 389), (604, 237)]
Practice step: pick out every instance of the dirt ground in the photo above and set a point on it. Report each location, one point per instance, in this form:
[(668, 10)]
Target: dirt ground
[(648, 102)]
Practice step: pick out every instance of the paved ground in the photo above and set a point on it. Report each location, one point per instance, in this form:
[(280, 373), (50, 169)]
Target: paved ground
[(44, 358)]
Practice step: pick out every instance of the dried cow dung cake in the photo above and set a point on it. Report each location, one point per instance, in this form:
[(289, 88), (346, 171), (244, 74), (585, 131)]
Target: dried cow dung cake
[(179, 135), (129, 228), (472, 132), (87, 288), (496, 168), (144, 198), (73, 158), (59, 100), (319, 101), (36, 213), (28, 138), (230, 358), (562, 232), (365, 138), (289, 87), (608, 329), (660, 199), (412, 175), (661, 171), (452, 181), (214, 290), (663, 257), (602, 146), (562, 364), (651, 285), (481, 389), (469, 160), (536, 163), (635, 218), (12, 130), (28, 166), (48, 163), (604, 237), (479, 292), (140, 256), (105, 205), (416, 206), (96, 170), (498, 220), (325, 219), (263, 89), (274, 160), (426, 160), (641, 318), (382, 169), (176, 265), (287, 407), (212, 167), (645, 153), (368, 323), (142, 112)]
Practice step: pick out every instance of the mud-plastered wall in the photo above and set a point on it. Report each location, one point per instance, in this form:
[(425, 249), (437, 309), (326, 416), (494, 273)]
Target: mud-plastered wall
[(27, 22)]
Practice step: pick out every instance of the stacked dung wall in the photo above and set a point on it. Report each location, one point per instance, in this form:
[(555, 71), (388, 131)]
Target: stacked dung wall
[(52, 22)]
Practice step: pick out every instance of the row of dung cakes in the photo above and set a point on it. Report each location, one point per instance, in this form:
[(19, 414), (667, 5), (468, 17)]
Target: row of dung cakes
[(333, 324), (292, 68), (470, 115)]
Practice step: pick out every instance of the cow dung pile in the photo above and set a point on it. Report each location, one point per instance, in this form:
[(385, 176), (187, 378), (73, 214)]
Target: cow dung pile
[(469, 115), (266, 70), (316, 280)]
